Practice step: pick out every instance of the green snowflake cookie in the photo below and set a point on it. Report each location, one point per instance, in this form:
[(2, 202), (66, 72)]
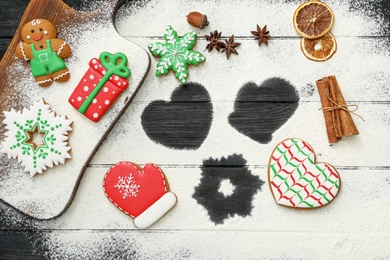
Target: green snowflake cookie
[(176, 54), (35, 156)]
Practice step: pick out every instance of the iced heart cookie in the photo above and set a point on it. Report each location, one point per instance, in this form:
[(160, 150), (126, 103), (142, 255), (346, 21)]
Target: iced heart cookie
[(45, 52), (36, 154), (143, 194), (296, 180)]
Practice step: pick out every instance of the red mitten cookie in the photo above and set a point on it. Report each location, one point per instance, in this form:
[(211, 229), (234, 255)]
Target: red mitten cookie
[(141, 193)]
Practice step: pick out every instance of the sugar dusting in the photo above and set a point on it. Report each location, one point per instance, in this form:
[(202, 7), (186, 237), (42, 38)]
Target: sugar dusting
[(46, 195), (131, 18), (376, 10), (359, 18), (102, 244), (134, 244), (26, 91)]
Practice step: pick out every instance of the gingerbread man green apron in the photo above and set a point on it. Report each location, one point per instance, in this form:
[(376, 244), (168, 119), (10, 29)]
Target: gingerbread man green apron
[(45, 61)]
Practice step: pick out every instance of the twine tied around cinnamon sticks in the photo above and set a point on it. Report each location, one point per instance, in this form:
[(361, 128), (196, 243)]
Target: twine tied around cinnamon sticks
[(337, 114), (344, 107)]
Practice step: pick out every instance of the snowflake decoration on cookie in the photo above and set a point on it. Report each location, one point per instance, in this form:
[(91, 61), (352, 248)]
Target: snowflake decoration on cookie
[(19, 141), (127, 186), (176, 54)]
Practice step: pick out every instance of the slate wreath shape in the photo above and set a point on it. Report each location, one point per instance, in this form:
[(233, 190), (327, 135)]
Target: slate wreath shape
[(246, 185), (182, 123), (260, 110)]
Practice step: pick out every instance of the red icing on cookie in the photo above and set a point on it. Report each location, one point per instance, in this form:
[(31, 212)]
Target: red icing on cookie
[(106, 96), (38, 38), (297, 180), (139, 192)]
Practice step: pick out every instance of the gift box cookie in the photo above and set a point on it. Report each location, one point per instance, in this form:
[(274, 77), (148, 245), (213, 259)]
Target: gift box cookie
[(103, 82)]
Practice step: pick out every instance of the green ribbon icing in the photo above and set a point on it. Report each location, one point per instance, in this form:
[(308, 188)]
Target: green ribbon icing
[(115, 64)]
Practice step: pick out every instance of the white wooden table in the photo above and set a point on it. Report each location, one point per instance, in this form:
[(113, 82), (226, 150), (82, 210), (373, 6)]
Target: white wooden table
[(355, 226)]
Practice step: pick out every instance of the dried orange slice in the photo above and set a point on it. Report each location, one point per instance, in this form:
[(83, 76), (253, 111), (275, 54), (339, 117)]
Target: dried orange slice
[(319, 49), (313, 19)]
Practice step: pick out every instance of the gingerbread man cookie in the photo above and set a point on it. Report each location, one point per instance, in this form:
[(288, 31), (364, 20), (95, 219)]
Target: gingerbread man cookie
[(45, 51)]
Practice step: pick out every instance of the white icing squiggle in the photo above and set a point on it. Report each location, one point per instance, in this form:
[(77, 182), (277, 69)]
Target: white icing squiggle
[(61, 48), (61, 75), (35, 22), (44, 81), (22, 49)]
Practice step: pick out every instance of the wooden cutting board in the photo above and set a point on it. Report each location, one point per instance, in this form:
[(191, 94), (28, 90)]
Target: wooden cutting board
[(89, 33)]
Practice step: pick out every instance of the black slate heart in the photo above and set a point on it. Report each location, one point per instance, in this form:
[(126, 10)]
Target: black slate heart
[(182, 123), (260, 110)]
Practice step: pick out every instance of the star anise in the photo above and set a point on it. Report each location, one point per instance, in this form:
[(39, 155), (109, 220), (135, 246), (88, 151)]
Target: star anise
[(213, 38), (262, 35), (229, 46)]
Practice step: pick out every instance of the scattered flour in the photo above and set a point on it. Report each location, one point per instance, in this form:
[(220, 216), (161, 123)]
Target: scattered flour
[(46, 196), (138, 19)]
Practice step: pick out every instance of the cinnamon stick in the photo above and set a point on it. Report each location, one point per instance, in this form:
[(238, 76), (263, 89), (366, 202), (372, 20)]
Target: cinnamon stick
[(348, 126), (338, 119), (323, 86), (336, 115)]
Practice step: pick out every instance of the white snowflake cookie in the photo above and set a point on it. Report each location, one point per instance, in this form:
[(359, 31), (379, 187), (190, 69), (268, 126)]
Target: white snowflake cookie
[(23, 127)]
